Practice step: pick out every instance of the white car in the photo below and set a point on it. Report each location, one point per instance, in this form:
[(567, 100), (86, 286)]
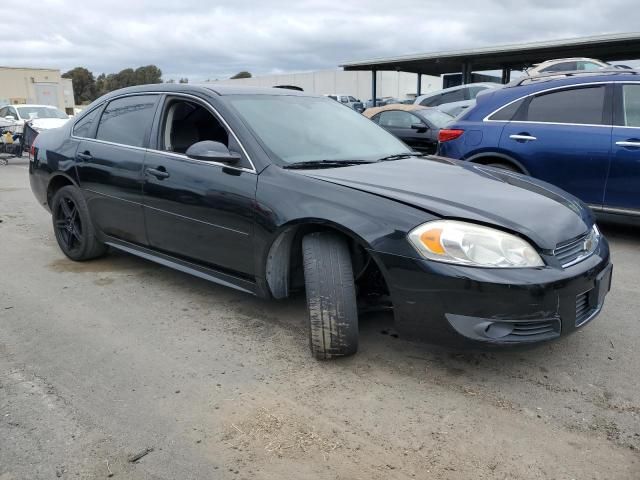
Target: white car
[(458, 93), (40, 117), (570, 65)]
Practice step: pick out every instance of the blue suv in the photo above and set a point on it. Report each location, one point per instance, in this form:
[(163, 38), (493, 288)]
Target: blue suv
[(579, 131)]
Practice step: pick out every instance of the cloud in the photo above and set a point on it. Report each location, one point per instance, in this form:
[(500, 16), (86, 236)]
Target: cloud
[(200, 40)]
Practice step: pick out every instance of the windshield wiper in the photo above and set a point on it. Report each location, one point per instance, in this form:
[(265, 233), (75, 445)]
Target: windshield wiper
[(324, 164), (399, 156)]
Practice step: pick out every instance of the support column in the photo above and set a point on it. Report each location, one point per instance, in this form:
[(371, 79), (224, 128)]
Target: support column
[(374, 81), (419, 86), (466, 73), (506, 74)]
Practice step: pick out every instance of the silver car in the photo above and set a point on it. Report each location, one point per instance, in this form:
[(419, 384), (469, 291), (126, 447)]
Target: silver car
[(454, 94)]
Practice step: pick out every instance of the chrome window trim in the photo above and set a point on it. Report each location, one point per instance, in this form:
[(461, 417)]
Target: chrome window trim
[(563, 87), (173, 154)]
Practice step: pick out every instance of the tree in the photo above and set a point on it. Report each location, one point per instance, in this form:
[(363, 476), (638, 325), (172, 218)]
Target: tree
[(183, 80), (84, 85), (148, 74), (242, 74)]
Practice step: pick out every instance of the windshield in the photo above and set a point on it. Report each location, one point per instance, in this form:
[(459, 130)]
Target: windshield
[(29, 113), (437, 117), (305, 129)]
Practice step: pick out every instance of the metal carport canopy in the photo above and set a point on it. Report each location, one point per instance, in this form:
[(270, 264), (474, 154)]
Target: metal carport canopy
[(624, 46)]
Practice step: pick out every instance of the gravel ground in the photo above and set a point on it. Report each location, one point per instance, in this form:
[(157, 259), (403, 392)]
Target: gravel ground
[(106, 360)]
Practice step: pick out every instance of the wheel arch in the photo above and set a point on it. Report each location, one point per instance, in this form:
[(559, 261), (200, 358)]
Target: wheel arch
[(485, 158), (284, 252), (55, 183)]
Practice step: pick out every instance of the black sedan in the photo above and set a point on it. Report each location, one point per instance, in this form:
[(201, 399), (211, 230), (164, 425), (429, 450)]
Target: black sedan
[(270, 191), (415, 125)]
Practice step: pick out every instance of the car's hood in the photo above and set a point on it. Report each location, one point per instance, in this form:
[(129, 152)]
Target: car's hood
[(47, 123), (543, 213)]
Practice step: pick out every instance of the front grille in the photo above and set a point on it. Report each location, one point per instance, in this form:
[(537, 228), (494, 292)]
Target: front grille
[(570, 252), (583, 309)]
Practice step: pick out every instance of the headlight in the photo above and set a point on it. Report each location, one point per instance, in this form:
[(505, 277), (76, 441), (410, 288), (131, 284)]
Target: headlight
[(464, 243)]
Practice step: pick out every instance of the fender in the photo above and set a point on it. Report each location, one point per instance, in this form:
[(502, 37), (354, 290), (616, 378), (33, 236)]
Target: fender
[(477, 156)]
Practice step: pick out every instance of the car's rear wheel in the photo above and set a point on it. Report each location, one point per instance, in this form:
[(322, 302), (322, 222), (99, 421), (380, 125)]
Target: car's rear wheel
[(331, 295), (72, 225)]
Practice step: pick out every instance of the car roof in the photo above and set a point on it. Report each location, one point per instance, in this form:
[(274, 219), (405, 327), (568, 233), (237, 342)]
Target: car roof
[(370, 112), (568, 59), (495, 99), (29, 105), (207, 88)]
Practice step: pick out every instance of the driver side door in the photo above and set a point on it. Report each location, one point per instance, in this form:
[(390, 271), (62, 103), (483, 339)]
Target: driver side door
[(198, 210)]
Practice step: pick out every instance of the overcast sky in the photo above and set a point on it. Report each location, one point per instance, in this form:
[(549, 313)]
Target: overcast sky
[(217, 38)]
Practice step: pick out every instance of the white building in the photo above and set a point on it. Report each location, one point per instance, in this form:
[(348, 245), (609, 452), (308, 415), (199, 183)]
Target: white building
[(358, 84), (42, 86)]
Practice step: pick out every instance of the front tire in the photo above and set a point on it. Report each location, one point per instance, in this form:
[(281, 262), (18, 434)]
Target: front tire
[(331, 295), (73, 227)]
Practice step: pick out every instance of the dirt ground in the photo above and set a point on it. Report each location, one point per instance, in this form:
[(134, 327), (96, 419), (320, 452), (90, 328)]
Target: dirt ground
[(104, 360)]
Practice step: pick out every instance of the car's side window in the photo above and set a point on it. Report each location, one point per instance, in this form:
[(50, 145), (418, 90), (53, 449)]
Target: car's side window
[(631, 105), (12, 111), (582, 65), (449, 97), (396, 119), (473, 91), (577, 105), (84, 127), (352, 99), (507, 112), (127, 120), (560, 67), (431, 101), (185, 122), (3, 112)]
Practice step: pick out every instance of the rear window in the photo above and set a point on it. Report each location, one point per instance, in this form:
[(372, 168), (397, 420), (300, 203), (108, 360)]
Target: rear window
[(127, 120), (578, 105), (507, 112)]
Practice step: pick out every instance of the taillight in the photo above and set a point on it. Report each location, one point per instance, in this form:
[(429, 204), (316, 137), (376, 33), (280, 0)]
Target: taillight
[(32, 151), (447, 134)]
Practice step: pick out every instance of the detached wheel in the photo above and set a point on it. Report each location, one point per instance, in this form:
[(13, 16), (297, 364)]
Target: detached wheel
[(331, 295), (72, 225)]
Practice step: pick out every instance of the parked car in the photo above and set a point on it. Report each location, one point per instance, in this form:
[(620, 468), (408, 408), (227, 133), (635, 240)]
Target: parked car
[(456, 108), (571, 65), (40, 117), (454, 94), (270, 191), (579, 132), (416, 126), (381, 102), (349, 101)]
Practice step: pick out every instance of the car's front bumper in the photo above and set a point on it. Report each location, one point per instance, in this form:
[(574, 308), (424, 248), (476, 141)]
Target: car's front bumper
[(446, 303)]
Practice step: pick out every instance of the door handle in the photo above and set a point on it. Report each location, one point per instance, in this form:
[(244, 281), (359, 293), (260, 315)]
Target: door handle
[(85, 156), (160, 173), (522, 137), (629, 143)]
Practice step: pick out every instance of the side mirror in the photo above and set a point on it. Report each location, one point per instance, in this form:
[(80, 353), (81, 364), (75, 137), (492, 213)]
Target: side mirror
[(419, 127), (10, 117), (211, 151)]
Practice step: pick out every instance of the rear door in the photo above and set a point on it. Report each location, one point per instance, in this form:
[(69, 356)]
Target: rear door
[(109, 161), (623, 185), (563, 136)]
